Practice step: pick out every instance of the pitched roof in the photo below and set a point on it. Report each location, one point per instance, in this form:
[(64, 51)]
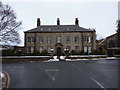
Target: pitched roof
[(59, 28)]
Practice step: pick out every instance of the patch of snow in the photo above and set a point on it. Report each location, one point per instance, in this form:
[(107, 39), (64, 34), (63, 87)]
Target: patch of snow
[(111, 57), (95, 59), (2, 75), (62, 57), (86, 55), (24, 56), (55, 58)]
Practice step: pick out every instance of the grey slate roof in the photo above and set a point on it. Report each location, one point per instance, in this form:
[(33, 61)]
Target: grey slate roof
[(59, 28)]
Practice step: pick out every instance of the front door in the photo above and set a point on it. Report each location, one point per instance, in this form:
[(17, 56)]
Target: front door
[(59, 51)]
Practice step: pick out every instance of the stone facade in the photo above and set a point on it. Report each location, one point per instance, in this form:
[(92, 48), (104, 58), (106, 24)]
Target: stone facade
[(110, 45), (71, 37)]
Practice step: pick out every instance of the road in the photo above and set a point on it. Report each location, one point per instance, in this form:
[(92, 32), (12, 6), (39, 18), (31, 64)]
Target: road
[(79, 74)]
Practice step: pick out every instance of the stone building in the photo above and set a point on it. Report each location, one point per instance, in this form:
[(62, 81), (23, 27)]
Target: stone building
[(109, 45), (60, 37)]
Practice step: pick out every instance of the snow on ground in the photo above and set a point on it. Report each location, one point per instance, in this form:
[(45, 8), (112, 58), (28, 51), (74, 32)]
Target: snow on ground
[(85, 59), (25, 56), (55, 58), (63, 57), (2, 75), (111, 57), (86, 55)]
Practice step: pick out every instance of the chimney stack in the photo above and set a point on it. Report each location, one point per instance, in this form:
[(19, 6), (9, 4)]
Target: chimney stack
[(38, 22), (76, 21), (58, 21)]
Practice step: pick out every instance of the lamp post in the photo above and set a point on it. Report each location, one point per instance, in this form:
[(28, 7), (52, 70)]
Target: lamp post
[(52, 53)]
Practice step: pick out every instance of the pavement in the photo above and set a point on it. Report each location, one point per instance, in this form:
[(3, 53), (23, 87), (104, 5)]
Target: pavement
[(81, 74)]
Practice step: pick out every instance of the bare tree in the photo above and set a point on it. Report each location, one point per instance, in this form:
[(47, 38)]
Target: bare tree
[(9, 26), (118, 33)]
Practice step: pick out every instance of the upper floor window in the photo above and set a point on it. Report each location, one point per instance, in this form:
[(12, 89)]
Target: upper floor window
[(68, 39), (76, 39), (30, 39), (87, 39), (41, 39), (49, 40), (58, 39)]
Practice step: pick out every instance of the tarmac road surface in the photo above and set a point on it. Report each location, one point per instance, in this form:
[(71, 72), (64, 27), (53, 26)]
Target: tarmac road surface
[(79, 74)]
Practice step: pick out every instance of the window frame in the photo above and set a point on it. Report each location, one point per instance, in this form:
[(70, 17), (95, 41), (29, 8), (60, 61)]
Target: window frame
[(58, 39), (49, 39), (76, 39)]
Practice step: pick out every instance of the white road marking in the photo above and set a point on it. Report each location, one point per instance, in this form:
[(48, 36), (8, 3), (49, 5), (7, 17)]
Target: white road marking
[(51, 70), (98, 83), (52, 75)]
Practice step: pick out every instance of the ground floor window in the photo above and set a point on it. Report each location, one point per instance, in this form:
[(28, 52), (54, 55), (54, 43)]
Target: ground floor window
[(41, 49), (87, 49), (49, 49), (68, 47), (30, 49), (77, 48)]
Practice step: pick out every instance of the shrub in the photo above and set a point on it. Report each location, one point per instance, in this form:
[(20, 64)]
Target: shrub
[(8, 52), (44, 53), (98, 52), (74, 52)]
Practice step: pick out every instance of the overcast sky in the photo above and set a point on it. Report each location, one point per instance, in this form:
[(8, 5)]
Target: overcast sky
[(101, 16)]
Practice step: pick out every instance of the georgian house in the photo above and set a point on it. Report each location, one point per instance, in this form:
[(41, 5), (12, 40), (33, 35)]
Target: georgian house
[(70, 37)]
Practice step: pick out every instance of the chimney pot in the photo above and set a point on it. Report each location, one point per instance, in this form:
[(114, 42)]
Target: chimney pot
[(58, 21), (38, 22), (76, 21)]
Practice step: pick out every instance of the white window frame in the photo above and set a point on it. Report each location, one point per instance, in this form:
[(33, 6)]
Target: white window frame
[(76, 39), (58, 39), (28, 40), (89, 39), (49, 49), (32, 39), (85, 49), (89, 49), (40, 49), (49, 39), (32, 49)]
